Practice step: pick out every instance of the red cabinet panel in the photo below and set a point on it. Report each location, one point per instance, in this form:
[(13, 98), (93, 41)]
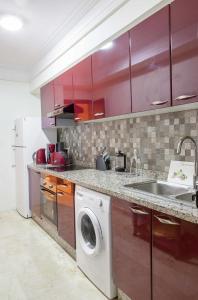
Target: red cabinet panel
[(34, 193), (131, 226), (82, 84), (184, 28), (175, 258), (111, 79), (63, 89), (150, 62), (47, 105), (66, 215)]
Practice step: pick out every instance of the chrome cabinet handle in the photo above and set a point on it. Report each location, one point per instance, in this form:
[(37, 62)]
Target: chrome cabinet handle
[(51, 186), (166, 221), (98, 114), (138, 211), (159, 102), (44, 183), (185, 97), (60, 194)]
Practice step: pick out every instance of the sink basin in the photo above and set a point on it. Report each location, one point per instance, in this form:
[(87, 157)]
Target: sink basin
[(185, 197), (159, 188)]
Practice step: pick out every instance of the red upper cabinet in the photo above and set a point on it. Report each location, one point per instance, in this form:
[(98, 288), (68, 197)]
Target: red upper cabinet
[(82, 85), (111, 79), (175, 258), (150, 62), (47, 105), (63, 89), (131, 230), (184, 30)]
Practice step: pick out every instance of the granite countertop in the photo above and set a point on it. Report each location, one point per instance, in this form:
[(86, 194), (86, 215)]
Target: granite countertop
[(111, 183)]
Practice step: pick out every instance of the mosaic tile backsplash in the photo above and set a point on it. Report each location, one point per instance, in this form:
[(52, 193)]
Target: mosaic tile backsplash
[(155, 137)]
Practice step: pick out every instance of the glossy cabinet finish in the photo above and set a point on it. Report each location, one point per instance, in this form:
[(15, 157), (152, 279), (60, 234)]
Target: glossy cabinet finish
[(66, 215), (184, 28), (150, 63), (82, 85), (175, 258), (63, 89), (111, 79), (47, 105), (34, 193), (131, 228)]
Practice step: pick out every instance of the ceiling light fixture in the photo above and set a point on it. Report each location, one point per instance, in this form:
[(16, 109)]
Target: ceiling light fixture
[(11, 23), (107, 46)]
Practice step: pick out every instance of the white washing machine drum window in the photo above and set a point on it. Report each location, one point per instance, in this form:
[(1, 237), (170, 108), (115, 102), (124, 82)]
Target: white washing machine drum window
[(90, 234)]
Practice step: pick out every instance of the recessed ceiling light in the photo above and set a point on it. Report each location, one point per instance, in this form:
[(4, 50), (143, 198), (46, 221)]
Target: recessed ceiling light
[(107, 46), (11, 23)]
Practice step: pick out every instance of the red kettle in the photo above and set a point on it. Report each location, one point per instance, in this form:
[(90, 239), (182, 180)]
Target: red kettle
[(39, 156)]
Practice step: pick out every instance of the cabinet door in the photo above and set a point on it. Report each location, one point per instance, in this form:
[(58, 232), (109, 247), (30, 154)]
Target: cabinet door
[(47, 105), (150, 63), (34, 193), (82, 83), (131, 226), (63, 89), (111, 79), (175, 258), (66, 217), (184, 28)]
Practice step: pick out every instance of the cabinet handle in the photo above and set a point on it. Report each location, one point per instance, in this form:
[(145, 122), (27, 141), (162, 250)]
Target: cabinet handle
[(98, 114), (51, 186), (159, 102), (77, 118), (60, 194), (166, 221), (185, 97), (44, 183), (139, 211)]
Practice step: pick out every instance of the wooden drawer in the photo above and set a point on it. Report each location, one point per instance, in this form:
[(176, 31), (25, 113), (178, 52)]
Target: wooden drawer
[(49, 182), (65, 186)]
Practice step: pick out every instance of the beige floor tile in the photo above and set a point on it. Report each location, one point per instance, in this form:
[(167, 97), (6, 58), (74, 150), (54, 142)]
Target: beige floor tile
[(34, 267)]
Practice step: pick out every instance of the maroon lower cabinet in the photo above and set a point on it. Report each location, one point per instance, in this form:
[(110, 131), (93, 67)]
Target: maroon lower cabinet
[(66, 215), (34, 193), (111, 79), (150, 62), (184, 27), (47, 105), (174, 258), (131, 228)]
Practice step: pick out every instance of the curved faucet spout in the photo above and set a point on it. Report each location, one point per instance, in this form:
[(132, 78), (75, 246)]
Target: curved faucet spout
[(179, 146)]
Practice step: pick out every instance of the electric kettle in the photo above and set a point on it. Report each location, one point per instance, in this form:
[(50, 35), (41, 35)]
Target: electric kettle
[(39, 156)]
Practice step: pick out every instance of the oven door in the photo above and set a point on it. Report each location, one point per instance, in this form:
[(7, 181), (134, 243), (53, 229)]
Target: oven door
[(49, 205)]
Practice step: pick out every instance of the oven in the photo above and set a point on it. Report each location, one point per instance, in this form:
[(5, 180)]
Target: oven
[(48, 198)]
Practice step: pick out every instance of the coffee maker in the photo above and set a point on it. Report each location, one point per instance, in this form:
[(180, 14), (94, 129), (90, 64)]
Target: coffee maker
[(50, 151)]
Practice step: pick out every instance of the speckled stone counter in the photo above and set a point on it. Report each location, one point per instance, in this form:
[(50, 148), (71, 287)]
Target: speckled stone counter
[(112, 184)]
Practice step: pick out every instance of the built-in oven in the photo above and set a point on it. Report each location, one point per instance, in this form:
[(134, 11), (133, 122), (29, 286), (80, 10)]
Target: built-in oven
[(49, 198)]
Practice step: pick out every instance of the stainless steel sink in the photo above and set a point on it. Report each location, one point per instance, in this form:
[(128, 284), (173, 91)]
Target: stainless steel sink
[(187, 197), (159, 188)]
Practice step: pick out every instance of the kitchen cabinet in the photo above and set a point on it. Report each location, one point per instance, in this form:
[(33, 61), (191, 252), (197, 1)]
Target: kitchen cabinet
[(174, 258), (34, 193), (150, 62), (131, 229), (184, 28), (66, 214), (82, 89), (111, 79), (63, 89), (47, 105)]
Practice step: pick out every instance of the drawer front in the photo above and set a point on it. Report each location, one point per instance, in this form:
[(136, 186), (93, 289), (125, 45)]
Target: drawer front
[(65, 186), (49, 182)]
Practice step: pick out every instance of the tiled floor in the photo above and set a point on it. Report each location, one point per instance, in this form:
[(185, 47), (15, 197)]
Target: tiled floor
[(34, 267)]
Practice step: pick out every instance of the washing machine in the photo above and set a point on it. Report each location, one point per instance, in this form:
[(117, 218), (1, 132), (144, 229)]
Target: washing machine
[(93, 238)]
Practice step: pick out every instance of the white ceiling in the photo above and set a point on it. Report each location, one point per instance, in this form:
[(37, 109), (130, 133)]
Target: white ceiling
[(46, 23)]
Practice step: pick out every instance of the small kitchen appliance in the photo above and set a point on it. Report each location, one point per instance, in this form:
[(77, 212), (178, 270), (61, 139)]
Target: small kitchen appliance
[(103, 161), (39, 156), (50, 150), (120, 162)]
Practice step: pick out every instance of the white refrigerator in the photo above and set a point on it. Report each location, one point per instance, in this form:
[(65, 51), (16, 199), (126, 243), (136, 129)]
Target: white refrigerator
[(29, 137)]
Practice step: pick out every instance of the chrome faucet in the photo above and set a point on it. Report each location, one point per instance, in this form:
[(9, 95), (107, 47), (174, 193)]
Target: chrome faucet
[(195, 176)]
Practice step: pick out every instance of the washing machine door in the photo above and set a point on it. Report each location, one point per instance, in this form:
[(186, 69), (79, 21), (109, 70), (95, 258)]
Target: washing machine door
[(90, 234)]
